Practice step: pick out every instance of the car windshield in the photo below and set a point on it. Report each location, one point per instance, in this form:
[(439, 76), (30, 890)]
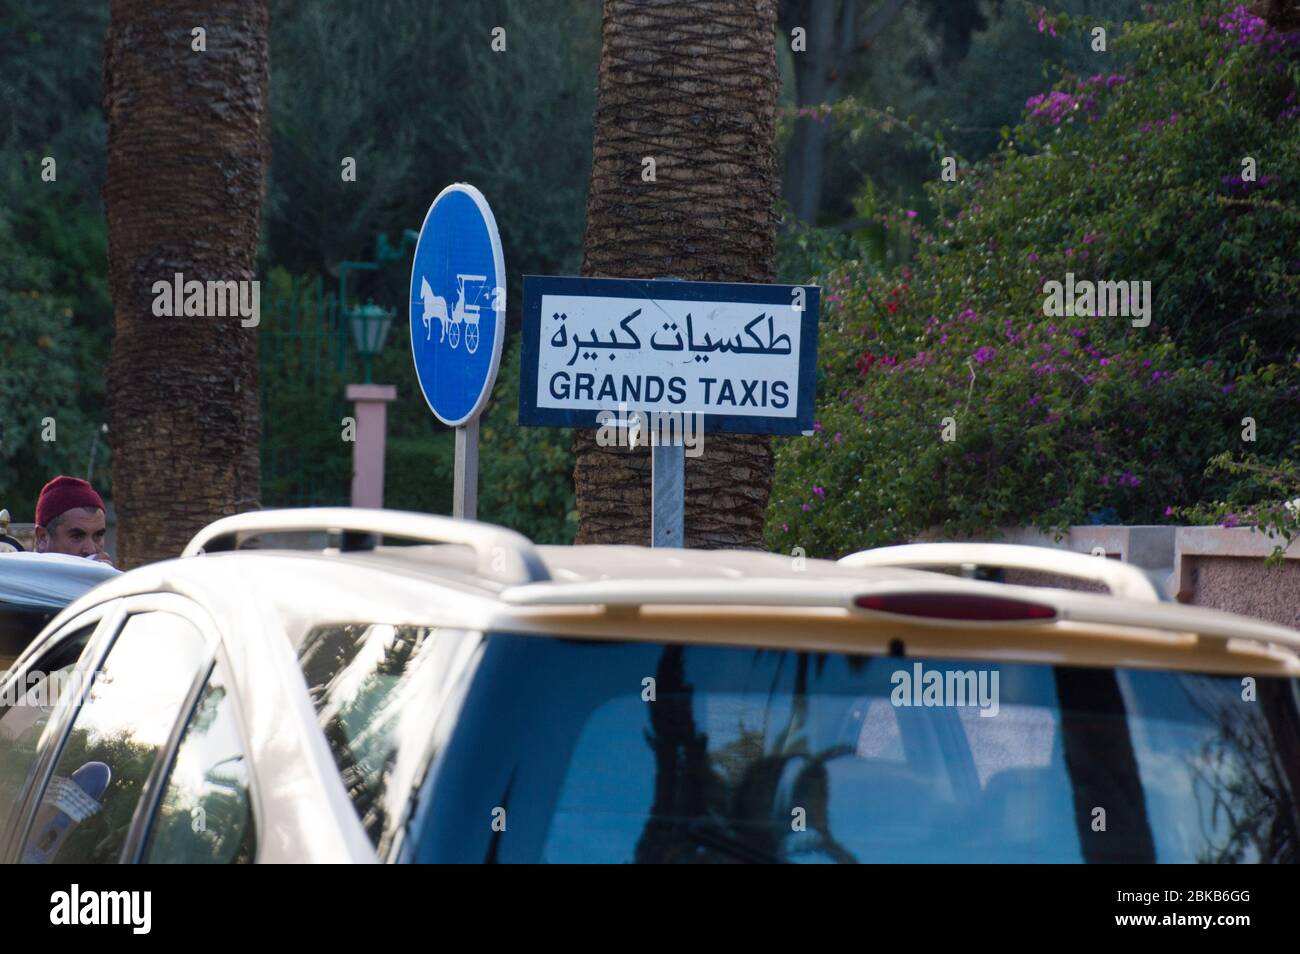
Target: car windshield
[(570, 750)]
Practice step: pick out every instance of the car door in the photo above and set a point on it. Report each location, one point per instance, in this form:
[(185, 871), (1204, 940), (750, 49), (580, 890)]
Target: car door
[(98, 787)]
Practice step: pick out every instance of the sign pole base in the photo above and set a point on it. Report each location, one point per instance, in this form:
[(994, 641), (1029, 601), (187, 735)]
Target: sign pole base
[(464, 502)]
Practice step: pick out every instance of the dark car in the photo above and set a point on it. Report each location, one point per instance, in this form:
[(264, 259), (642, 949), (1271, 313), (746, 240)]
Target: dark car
[(34, 587)]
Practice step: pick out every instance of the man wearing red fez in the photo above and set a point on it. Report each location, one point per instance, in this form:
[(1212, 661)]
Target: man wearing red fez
[(70, 519)]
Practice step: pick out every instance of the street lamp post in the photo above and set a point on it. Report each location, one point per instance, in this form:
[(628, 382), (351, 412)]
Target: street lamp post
[(369, 325)]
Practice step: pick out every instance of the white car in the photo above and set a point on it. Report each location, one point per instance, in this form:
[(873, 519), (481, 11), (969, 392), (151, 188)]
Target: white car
[(476, 698)]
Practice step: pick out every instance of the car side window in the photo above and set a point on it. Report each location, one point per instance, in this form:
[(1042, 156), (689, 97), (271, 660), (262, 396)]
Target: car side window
[(373, 686), (128, 715), (206, 812), (27, 704)]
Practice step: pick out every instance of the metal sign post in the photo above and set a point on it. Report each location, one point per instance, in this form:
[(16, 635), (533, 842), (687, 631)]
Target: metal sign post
[(667, 486), (457, 323), (668, 496), (464, 501)]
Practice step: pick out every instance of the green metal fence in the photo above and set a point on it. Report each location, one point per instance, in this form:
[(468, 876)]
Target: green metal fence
[(306, 362)]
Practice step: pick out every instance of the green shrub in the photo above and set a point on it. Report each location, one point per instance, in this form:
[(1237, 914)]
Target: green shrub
[(949, 400), (305, 461), (526, 473), (418, 472), (1266, 498)]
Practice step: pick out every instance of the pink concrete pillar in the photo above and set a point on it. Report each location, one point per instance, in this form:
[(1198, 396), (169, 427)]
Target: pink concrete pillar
[(368, 448)]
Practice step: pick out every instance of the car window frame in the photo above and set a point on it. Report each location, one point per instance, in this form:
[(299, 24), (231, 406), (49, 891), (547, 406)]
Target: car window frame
[(97, 651), (107, 618), (402, 847), (142, 828)]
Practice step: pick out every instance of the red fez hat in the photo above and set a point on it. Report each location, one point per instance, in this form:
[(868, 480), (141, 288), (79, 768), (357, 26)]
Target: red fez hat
[(63, 494)]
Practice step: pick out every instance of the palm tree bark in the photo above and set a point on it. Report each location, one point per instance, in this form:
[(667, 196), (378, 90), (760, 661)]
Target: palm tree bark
[(187, 150), (694, 87)]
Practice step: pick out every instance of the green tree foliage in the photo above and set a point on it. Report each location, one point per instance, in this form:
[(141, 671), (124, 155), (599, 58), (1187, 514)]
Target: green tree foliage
[(965, 70), (38, 380), (413, 91), (55, 315), (416, 94), (950, 400), (50, 94)]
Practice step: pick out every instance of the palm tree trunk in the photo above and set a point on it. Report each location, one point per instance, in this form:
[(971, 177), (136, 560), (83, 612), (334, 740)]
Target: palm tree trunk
[(692, 86), (187, 150)]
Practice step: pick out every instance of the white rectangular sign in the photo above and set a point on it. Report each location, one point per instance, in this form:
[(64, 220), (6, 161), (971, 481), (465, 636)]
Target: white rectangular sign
[(662, 351)]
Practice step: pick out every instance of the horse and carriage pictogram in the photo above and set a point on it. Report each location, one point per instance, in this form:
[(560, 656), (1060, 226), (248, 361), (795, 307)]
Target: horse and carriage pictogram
[(462, 312)]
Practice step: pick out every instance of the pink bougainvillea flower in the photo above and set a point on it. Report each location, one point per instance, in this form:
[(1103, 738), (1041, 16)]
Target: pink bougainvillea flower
[(1044, 25)]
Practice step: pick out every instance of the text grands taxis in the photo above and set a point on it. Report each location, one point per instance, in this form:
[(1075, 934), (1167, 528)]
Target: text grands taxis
[(651, 389)]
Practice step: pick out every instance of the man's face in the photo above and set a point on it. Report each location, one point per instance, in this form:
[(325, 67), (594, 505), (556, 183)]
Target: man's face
[(79, 532)]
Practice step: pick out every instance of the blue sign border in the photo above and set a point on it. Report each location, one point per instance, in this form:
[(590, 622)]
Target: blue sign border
[(535, 286)]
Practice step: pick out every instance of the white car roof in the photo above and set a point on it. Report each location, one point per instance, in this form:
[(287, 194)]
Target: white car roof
[(494, 579)]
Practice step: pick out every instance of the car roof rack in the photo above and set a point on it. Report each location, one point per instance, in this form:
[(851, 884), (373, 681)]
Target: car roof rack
[(1122, 579), (360, 529)]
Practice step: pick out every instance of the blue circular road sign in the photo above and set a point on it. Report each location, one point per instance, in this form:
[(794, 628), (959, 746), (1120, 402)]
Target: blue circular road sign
[(458, 304)]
